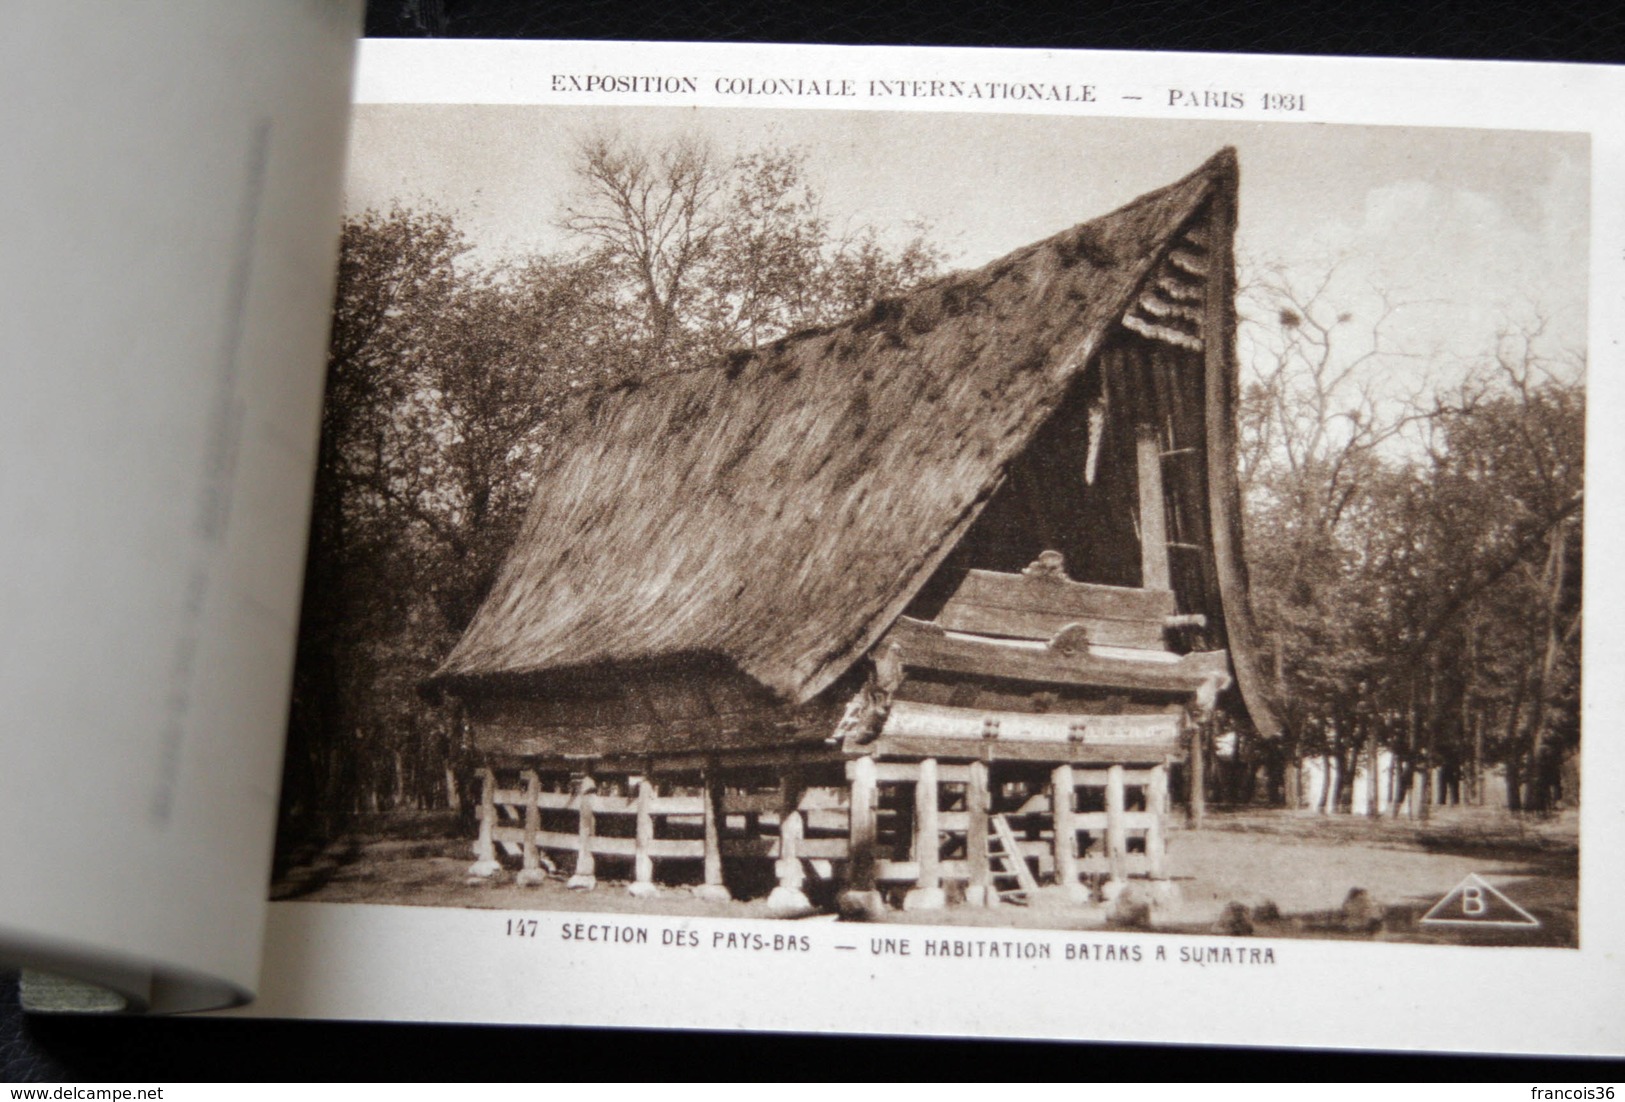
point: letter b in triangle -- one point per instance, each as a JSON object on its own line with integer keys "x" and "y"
{"x": 1474, "y": 903}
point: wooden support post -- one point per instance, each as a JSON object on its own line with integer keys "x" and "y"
{"x": 1153, "y": 517}
{"x": 485, "y": 864}
{"x": 927, "y": 894}
{"x": 1198, "y": 774}
{"x": 1063, "y": 815}
{"x": 531, "y": 871}
{"x": 1116, "y": 837}
{"x": 788, "y": 898}
{"x": 585, "y": 878}
{"x": 643, "y": 864}
{"x": 928, "y": 829}
{"x": 1156, "y": 836}
{"x": 791, "y": 829}
{"x": 713, "y": 887}
{"x": 1163, "y": 889}
{"x": 860, "y": 898}
{"x": 979, "y": 892}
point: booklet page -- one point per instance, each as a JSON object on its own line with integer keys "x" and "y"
{"x": 170, "y": 203}
{"x": 966, "y": 542}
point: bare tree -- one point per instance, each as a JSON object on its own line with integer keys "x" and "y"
{"x": 1412, "y": 547}
{"x": 655, "y": 214}
{"x": 726, "y": 252}
{"x": 1319, "y": 408}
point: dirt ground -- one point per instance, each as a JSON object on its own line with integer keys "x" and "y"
{"x": 1267, "y": 873}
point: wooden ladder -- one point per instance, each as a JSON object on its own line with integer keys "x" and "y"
{"x": 1006, "y": 863}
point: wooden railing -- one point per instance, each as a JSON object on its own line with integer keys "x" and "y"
{"x": 649, "y": 827}
{"x": 921, "y": 823}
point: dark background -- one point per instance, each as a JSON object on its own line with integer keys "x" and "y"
{"x": 134, "y": 1051}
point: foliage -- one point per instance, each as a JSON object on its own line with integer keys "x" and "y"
{"x": 715, "y": 254}
{"x": 448, "y": 379}
{"x": 1415, "y": 551}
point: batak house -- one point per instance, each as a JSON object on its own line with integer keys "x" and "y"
{"x": 922, "y": 607}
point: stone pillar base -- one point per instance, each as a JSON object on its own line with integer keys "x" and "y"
{"x": 861, "y": 906}
{"x": 925, "y": 899}
{"x": 716, "y": 893}
{"x": 484, "y": 870}
{"x": 530, "y": 878}
{"x": 980, "y": 895}
{"x": 642, "y": 889}
{"x": 582, "y": 882}
{"x": 1110, "y": 890}
{"x": 1134, "y": 912}
{"x": 786, "y": 902}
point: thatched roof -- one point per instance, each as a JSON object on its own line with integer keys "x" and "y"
{"x": 780, "y": 509}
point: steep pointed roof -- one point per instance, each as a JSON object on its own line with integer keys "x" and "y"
{"x": 778, "y": 510}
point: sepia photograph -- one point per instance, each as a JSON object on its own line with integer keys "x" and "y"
{"x": 974, "y": 519}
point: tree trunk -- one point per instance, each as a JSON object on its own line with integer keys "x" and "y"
{"x": 1291, "y": 764}
{"x": 1429, "y": 733}
{"x": 1347, "y": 758}
{"x": 1393, "y": 782}
{"x": 1292, "y": 779}
{"x": 1373, "y": 799}
{"x": 1541, "y": 750}
{"x": 1476, "y": 777}
{"x": 1514, "y": 749}
{"x": 1403, "y": 797}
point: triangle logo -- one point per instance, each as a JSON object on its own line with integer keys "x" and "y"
{"x": 1474, "y": 902}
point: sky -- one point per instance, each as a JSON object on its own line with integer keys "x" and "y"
{"x": 1467, "y": 228}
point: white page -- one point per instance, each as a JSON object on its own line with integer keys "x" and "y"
{"x": 172, "y": 177}
{"x": 472, "y": 127}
